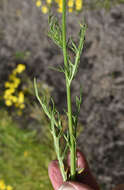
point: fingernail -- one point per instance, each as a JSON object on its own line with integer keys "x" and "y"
{"x": 67, "y": 187}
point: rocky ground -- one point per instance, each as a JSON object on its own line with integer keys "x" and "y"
{"x": 23, "y": 29}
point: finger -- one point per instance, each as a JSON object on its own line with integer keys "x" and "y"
{"x": 81, "y": 160}
{"x": 86, "y": 176}
{"x": 74, "y": 186}
{"x": 55, "y": 174}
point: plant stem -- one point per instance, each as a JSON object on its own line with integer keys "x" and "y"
{"x": 57, "y": 149}
{"x": 68, "y": 91}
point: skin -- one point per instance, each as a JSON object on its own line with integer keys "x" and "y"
{"x": 84, "y": 181}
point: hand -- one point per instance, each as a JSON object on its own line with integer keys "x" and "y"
{"x": 85, "y": 180}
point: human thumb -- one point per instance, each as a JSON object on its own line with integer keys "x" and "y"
{"x": 66, "y": 187}
{"x": 74, "y": 186}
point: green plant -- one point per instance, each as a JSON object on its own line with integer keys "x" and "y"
{"x": 76, "y": 5}
{"x": 13, "y": 96}
{"x": 23, "y": 159}
{"x": 58, "y": 34}
{"x": 72, "y": 5}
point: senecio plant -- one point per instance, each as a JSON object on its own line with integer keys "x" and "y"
{"x": 72, "y": 5}
{"x": 57, "y": 33}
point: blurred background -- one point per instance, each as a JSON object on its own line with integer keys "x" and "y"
{"x": 27, "y": 52}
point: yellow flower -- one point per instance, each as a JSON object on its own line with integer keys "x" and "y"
{"x": 14, "y": 99}
{"x": 60, "y": 4}
{"x": 2, "y": 185}
{"x": 12, "y": 77}
{"x": 22, "y": 106}
{"x": 70, "y": 3}
{"x": 59, "y": 10}
{"x": 49, "y": 1}
{"x": 38, "y": 3}
{"x": 44, "y": 9}
{"x": 20, "y": 98}
{"x": 17, "y": 104}
{"x": 8, "y": 187}
{"x": 17, "y": 81}
{"x": 14, "y": 71}
{"x": 25, "y": 154}
{"x": 12, "y": 84}
{"x": 8, "y": 103}
{"x": 7, "y": 84}
{"x": 70, "y": 10}
{"x": 9, "y": 91}
{"x": 20, "y": 68}
{"x": 1, "y": 182}
{"x": 78, "y": 5}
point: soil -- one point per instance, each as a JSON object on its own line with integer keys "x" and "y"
{"x": 24, "y": 29}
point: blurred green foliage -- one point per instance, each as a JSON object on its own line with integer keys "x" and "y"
{"x": 23, "y": 159}
{"x": 26, "y": 144}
